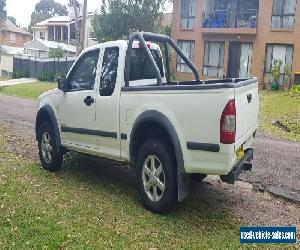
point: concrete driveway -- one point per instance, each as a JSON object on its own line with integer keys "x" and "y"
{"x": 276, "y": 162}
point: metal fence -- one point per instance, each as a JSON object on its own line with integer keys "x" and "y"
{"x": 35, "y": 66}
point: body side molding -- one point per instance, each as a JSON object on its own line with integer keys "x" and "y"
{"x": 89, "y": 132}
{"x": 203, "y": 146}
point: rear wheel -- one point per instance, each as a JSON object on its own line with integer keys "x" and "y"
{"x": 51, "y": 158}
{"x": 156, "y": 176}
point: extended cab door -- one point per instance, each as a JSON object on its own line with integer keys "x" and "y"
{"x": 77, "y": 107}
{"x": 107, "y": 104}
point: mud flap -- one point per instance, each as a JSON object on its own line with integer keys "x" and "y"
{"x": 182, "y": 182}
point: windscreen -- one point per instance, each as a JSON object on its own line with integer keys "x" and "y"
{"x": 141, "y": 67}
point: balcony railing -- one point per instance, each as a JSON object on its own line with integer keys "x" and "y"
{"x": 230, "y": 19}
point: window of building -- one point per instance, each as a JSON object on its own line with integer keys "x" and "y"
{"x": 282, "y": 52}
{"x": 221, "y": 5}
{"x": 65, "y": 35}
{"x": 188, "y": 11}
{"x": 12, "y": 37}
{"x": 109, "y": 71}
{"x": 213, "y": 59}
{"x": 245, "y": 60}
{"x": 73, "y": 35}
{"x": 83, "y": 74}
{"x": 188, "y": 49}
{"x": 283, "y": 16}
{"x": 42, "y": 35}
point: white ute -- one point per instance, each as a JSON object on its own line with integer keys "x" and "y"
{"x": 118, "y": 101}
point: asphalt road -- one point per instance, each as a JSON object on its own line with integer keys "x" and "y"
{"x": 17, "y": 110}
{"x": 276, "y": 167}
{"x": 276, "y": 162}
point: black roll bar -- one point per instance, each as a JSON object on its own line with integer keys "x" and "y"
{"x": 142, "y": 37}
{"x": 167, "y": 62}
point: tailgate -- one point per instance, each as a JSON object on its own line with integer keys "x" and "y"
{"x": 247, "y": 110}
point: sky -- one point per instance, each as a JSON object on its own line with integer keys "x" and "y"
{"x": 22, "y": 9}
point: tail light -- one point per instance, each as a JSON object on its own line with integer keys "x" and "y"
{"x": 228, "y": 123}
{"x": 148, "y": 45}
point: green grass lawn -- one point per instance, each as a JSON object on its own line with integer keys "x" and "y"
{"x": 89, "y": 206}
{"x": 28, "y": 90}
{"x": 280, "y": 106}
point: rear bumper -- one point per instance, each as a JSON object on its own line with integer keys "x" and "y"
{"x": 244, "y": 164}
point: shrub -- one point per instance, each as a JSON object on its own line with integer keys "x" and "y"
{"x": 56, "y": 52}
{"x": 57, "y": 75}
{"x": 294, "y": 91}
{"x": 46, "y": 76}
{"x": 20, "y": 74}
{"x": 276, "y": 70}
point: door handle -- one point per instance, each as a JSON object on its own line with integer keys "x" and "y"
{"x": 89, "y": 100}
{"x": 249, "y": 97}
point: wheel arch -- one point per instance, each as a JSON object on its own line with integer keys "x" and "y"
{"x": 162, "y": 123}
{"x": 46, "y": 113}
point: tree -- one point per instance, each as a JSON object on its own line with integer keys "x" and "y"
{"x": 12, "y": 19}
{"x": 119, "y": 18}
{"x": 2, "y": 9}
{"x": 166, "y": 30}
{"x": 46, "y": 9}
{"x": 56, "y": 52}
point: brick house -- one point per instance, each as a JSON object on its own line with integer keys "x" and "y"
{"x": 237, "y": 38}
{"x": 12, "y": 35}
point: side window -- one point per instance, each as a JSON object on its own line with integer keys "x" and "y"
{"x": 83, "y": 74}
{"x": 109, "y": 71}
{"x": 141, "y": 67}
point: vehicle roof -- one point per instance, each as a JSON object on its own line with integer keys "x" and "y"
{"x": 119, "y": 43}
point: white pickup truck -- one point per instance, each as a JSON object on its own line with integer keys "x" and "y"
{"x": 118, "y": 102}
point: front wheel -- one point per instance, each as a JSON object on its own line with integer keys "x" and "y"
{"x": 156, "y": 176}
{"x": 51, "y": 158}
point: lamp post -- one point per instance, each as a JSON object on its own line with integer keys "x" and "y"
{"x": 76, "y": 6}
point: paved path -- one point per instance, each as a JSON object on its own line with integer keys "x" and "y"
{"x": 276, "y": 162}
{"x": 17, "y": 81}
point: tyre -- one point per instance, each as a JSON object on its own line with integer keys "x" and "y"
{"x": 50, "y": 157}
{"x": 156, "y": 176}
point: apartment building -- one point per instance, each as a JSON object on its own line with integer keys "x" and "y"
{"x": 237, "y": 38}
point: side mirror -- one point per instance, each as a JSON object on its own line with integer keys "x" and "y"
{"x": 62, "y": 84}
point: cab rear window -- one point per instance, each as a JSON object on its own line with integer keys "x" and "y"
{"x": 141, "y": 67}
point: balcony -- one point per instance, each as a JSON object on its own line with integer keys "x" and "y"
{"x": 230, "y": 22}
